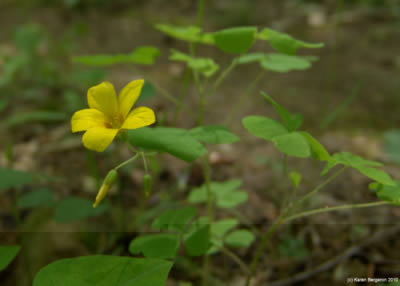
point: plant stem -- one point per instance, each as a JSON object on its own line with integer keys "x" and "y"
{"x": 237, "y": 259}
{"x": 262, "y": 245}
{"x": 285, "y": 175}
{"x": 318, "y": 188}
{"x": 330, "y": 209}
{"x": 146, "y": 170}
{"x": 243, "y": 96}
{"x": 128, "y": 161}
{"x": 200, "y": 14}
{"x": 210, "y": 215}
{"x": 182, "y": 98}
{"x": 223, "y": 76}
{"x": 281, "y": 219}
{"x": 332, "y": 61}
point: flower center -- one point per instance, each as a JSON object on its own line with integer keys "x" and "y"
{"x": 116, "y": 121}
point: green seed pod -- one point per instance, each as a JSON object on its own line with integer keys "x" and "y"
{"x": 147, "y": 184}
{"x": 106, "y": 186}
{"x": 111, "y": 177}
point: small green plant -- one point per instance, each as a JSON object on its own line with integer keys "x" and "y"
{"x": 182, "y": 231}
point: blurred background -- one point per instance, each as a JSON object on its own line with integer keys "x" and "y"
{"x": 350, "y": 100}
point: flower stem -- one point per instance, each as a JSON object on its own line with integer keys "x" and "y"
{"x": 133, "y": 158}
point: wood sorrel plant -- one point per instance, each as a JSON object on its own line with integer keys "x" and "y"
{"x": 181, "y": 227}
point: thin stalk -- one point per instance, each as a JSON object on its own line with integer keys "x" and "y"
{"x": 319, "y": 187}
{"x": 210, "y": 215}
{"x": 146, "y": 170}
{"x": 262, "y": 245}
{"x": 237, "y": 259}
{"x": 182, "y": 98}
{"x": 200, "y": 14}
{"x": 127, "y": 161}
{"x": 336, "y": 208}
{"x": 281, "y": 219}
{"x": 172, "y": 99}
{"x": 285, "y": 175}
{"x": 223, "y": 76}
{"x": 243, "y": 96}
{"x": 332, "y": 61}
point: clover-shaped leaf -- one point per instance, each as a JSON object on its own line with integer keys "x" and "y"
{"x": 366, "y": 167}
{"x": 284, "y": 63}
{"x": 162, "y": 245}
{"x": 174, "y": 219}
{"x": 226, "y": 194}
{"x": 285, "y": 43}
{"x": 237, "y": 40}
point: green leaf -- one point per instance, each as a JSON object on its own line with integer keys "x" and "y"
{"x": 236, "y": 40}
{"x": 292, "y": 121}
{"x": 240, "y": 238}
{"x": 285, "y": 43}
{"x": 222, "y": 227}
{"x": 42, "y": 116}
{"x": 155, "y": 245}
{"x": 187, "y": 33}
{"x": 318, "y": 151}
{"x": 226, "y": 194}
{"x": 295, "y": 179}
{"x": 376, "y": 174}
{"x": 197, "y": 241}
{"x": 101, "y": 270}
{"x": 73, "y": 209}
{"x": 263, "y": 127}
{"x": 250, "y": 58}
{"x": 36, "y": 198}
{"x": 145, "y": 55}
{"x": 391, "y": 141}
{"x": 292, "y": 144}
{"x": 366, "y": 167}
{"x": 218, "y": 231}
{"x": 206, "y": 66}
{"x": 228, "y": 199}
{"x": 10, "y": 178}
{"x": 284, "y": 63}
{"x": 390, "y": 193}
{"x": 213, "y": 134}
{"x": 351, "y": 160}
{"x": 7, "y": 254}
{"x": 175, "y": 219}
{"x": 171, "y": 140}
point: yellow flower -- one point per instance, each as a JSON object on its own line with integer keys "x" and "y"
{"x": 108, "y": 114}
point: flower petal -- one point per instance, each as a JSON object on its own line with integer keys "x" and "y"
{"x": 98, "y": 138}
{"x": 103, "y": 97}
{"x": 87, "y": 118}
{"x": 139, "y": 117}
{"x": 128, "y": 96}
